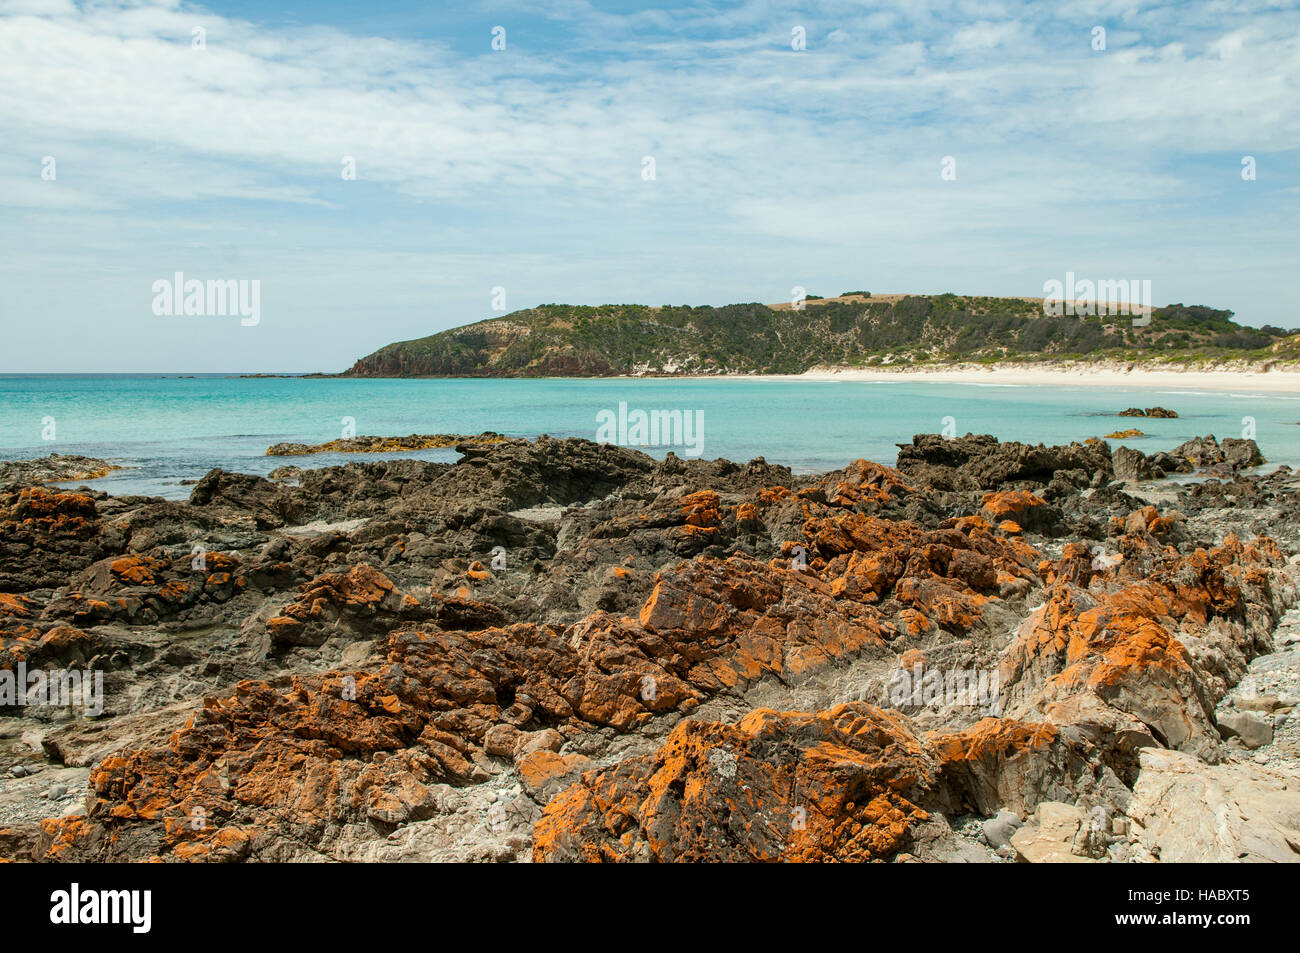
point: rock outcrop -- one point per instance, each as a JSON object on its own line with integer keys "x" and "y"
{"x": 56, "y": 468}
{"x": 558, "y": 650}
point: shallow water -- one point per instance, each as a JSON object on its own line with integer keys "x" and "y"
{"x": 170, "y": 428}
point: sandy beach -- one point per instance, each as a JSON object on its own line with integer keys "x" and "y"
{"x": 1275, "y": 380}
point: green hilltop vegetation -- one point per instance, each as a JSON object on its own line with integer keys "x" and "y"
{"x": 855, "y": 329}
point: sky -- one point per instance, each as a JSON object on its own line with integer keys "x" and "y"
{"x": 684, "y": 153}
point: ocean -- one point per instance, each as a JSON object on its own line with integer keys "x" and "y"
{"x": 172, "y": 428}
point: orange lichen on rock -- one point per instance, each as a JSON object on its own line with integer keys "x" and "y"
{"x": 991, "y": 740}
{"x": 709, "y": 626}
{"x": 839, "y": 785}
{"x": 16, "y": 607}
{"x": 143, "y": 589}
{"x": 1116, "y": 644}
{"x": 538, "y": 767}
{"x": 138, "y": 570}
{"x": 53, "y": 511}
{"x": 947, "y": 574}
{"x": 362, "y": 593}
{"x": 774, "y": 494}
{"x": 911, "y": 658}
{"x": 765, "y": 620}
{"x": 59, "y": 646}
{"x": 864, "y": 481}
{"x": 700, "y": 508}
{"x": 999, "y": 506}
{"x": 1001, "y": 763}
{"x": 65, "y": 833}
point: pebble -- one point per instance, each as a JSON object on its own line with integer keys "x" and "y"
{"x": 56, "y": 791}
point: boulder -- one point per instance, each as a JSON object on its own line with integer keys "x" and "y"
{"x": 1253, "y": 729}
{"x": 1200, "y": 451}
{"x": 998, "y": 830}
{"x": 1240, "y": 454}
{"x": 1050, "y": 836}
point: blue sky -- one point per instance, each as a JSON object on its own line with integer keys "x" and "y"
{"x": 522, "y": 168}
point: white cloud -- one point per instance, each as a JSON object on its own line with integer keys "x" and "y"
{"x": 763, "y": 155}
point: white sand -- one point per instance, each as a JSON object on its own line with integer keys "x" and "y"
{"x": 1278, "y": 379}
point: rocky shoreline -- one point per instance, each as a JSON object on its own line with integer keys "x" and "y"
{"x": 562, "y": 651}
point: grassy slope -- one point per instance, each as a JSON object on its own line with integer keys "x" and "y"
{"x": 559, "y": 340}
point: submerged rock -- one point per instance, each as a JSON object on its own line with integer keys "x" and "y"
{"x": 369, "y": 444}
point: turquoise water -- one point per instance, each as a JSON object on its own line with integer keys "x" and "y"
{"x": 169, "y": 429}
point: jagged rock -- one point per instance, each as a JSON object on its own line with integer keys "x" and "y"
{"x": 762, "y": 789}
{"x": 1240, "y": 454}
{"x": 851, "y": 783}
{"x": 1148, "y": 412}
{"x": 1233, "y": 454}
{"x": 977, "y": 462}
{"x": 393, "y": 647}
{"x": 1200, "y": 451}
{"x": 270, "y": 504}
{"x": 361, "y": 603}
{"x": 49, "y": 535}
{"x": 1164, "y": 463}
{"x": 1002, "y": 763}
{"x": 143, "y": 589}
{"x": 1119, "y": 647}
{"x": 1132, "y": 464}
{"x": 1027, "y": 510}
